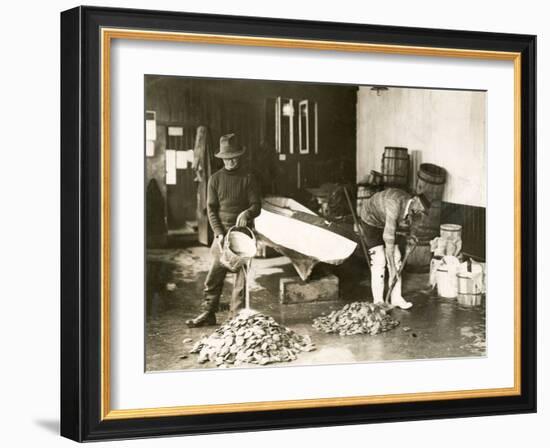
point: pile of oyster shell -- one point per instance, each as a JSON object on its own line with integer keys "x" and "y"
{"x": 357, "y": 318}
{"x": 251, "y": 339}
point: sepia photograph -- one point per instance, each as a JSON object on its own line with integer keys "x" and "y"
{"x": 294, "y": 223}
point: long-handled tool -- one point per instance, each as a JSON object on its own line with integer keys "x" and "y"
{"x": 410, "y": 249}
{"x": 359, "y": 227}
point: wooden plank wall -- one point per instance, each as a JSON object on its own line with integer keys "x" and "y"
{"x": 472, "y": 220}
{"x": 239, "y": 106}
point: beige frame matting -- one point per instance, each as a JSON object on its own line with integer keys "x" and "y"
{"x": 107, "y": 36}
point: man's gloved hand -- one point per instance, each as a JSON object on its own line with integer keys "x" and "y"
{"x": 412, "y": 240}
{"x": 242, "y": 219}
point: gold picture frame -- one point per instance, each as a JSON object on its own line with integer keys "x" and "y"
{"x": 102, "y": 32}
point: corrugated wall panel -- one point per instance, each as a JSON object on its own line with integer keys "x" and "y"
{"x": 472, "y": 220}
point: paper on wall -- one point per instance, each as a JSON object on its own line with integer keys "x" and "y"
{"x": 150, "y": 129}
{"x": 170, "y": 167}
{"x": 149, "y": 148}
{"x": 175, "y": 131}
{"x": 183, "y": 158}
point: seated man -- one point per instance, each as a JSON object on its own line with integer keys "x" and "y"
{"x": 233, "y": 199}
{"x": 381, "y": 214}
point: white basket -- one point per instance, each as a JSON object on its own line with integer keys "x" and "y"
{"x": 238, "y": 248}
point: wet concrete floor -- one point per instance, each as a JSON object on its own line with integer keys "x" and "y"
{"x": 433, "y": 328}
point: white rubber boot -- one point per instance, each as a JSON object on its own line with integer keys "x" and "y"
{"x": 397, "y": 299}
{"x": 377, "y": 273}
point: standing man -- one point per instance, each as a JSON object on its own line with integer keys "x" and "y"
{"x": 234, "y": 198}
{"x": 382, "y": 214}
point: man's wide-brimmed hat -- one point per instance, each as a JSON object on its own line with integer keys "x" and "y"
{"x": 229, "y": 147}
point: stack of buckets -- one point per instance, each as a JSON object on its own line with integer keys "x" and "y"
{"x": 455, "y": 280}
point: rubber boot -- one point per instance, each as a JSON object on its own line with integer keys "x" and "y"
{"x": 378, "y": 273}
{"x": 397, "y": 299}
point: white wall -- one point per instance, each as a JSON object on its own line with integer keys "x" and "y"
{"x": 443, "y": 127}
{"x": 29, "y": 232}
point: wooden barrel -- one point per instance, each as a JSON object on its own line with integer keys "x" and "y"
{"x": 395, "y": 166}
{"x": 431, "y": 181}
{"x": 468, "y": 292}
{"x": 375, "y": 178}
{"x": 428, "y": 226}
{"x": 419, "y": 259}
{"x": 425, "y": 229}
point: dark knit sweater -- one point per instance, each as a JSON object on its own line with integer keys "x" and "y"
{"x": 229, "y": 194}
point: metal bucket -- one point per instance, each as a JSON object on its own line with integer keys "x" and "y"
{"x": 447, "y": 284}
{"x": 450, "y": 231}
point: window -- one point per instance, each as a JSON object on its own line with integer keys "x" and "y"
{"x": 295, "y": 128}
{"x": 307, "y": 127}
{"x": 284, "y": 125}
